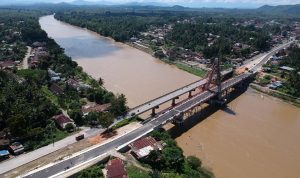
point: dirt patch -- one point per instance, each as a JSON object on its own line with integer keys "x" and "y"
{"x": 102, "y": 137}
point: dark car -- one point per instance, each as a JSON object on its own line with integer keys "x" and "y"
{"x": 80, "y": 137}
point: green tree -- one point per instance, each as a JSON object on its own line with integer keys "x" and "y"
{"x": 106, "y": 119}
{"x": 70, "y": 127}
{"x": 173, "y": 158}
{"x": 92, "y": 118}
{"x": 77, "y": 116}
{"x": 155, "y": 159}
{"x": 119, "y": 107}
{"x": 17, "y": 125}
{"x": 194, "y": 162}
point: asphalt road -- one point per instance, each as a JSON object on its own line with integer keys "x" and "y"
{"x": 25, "y": 158}
{"x": 68, "y": 163}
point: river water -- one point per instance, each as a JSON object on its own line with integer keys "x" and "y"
{"x": 258, "y": 136}
{"x": 124, "y": 69}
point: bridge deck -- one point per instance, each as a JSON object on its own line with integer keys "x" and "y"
{"x": 198, "y": 99}
{"x": 169, "y": 96}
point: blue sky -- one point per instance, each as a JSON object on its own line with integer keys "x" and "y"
{"x": 188, "y": 3}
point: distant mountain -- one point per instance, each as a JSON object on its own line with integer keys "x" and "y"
{"x": 281, "y": 9}
{"x": 145, "y": 4}
{"x": 89, "y": 3}
{"x": 177, "y": 7}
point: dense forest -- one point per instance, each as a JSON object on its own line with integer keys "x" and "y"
{"x": 213, "y": 35}
{"x": 16, "y": 31}
{"x": 194, "y": 36}
{"x": 120, "y": 26}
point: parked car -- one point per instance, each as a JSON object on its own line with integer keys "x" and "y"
{"x": 79, "y": 137}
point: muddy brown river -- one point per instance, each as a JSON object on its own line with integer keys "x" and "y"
{"x": 257, "y": 136}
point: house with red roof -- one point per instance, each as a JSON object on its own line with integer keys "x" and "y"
{"x": 63, "y": 120}
{"x": 95, "y": 108}
{"x": 9, "y": 64}
{"x": 56, "y": 89}
{"x": 142, "y": 147}
{"x": 115, "y": 168}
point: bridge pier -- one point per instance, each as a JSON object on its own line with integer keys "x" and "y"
{"x": 178, "y": 119}
{"x": 243, "y": 85}
{"x": 153, "y": 113}
{"x": 190, "y": 93}
{"x": 174, "y": 101}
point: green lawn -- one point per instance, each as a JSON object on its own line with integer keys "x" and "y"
{"x": 124, "y": 122}
{"x": 47, "y": 139}
{"x": 134, "y": 172}
{"x": 193, "y": 70}
{"x": 52, "y": 97}
{"x": 91, "y": 172}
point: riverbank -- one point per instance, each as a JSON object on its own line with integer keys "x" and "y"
{"x": 285, "y": 97}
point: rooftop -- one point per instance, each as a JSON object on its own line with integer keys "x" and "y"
{"x": 95, "y": 108}
{"x": 115, "y": 169}
{"x": 142, "y": 147}
{"x": 56, "y": 89}
{"x": 286, "y": 68}
{"x": 62, "y": 120}
{"x": 7, "y": 64}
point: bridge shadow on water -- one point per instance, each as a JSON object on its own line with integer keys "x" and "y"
{"x": 228, "y": 110}
{"x": 204, "y": 113}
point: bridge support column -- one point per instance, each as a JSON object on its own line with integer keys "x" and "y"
{"x": 174, "y": 101}
{"x": 190, "y": 94}
{"x": 153, "y": 112}
{"x": 178, "y": 119}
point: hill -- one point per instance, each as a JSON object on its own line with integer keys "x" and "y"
{"x": 281, "y": 9}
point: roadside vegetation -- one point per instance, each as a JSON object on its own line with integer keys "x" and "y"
{"x": 171, "y": 162}
{"x": 281, "y": 74}
{"x": 193, "y": 70}
{"x": 91, "y": 172}
{"x": 167, "y": 163}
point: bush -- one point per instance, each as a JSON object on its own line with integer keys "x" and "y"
{"x": 70, "y": 127}
{"x": 194, "y": 162}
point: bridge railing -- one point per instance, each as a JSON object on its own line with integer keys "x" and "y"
{"x": 132, "y": 109}
{"x": 165, "y": 95}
